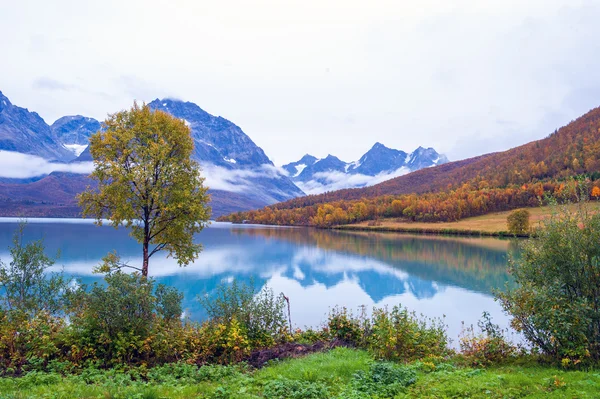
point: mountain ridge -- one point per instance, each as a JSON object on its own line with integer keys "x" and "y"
{"x": 242, "y": 175}
{"x": 26, "y": 132}
{"x": 329, "y": 173}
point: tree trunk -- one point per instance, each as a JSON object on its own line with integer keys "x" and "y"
{"x": 145, "y": 264}
{"x": 146, "y": 243}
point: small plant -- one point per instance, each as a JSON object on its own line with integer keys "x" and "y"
{"x": 383, "y": 380}
{"x": 283, "y": 388}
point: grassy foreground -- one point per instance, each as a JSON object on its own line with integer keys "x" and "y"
{"x": 492, "y": 224}
{"x": 339, "y": 373}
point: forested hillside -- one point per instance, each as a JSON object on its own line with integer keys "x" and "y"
{"x": 492, "y": 182}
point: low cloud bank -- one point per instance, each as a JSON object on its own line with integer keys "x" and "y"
{"x": 330, "y": 181}
{"x": 237, "y": 180}
{"x": 15, "y": 165}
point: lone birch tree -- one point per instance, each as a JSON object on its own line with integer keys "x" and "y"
{"x": 147, "y": 182}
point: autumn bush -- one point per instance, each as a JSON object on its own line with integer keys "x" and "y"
{"x": 29, "y": 343}
{"x": 490, "y": 345}
{"x": 343, "y": 325}
{"x": 400, "y": 335}
{"x": 556, "y": 302}
{"x": 260, "y": 314}
{"x": 395, "y": 334}
{"x": 31, "y": 305}
{"x": 117, "y": 322}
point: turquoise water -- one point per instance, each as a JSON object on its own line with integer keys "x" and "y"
{"x": 316, "y": 269}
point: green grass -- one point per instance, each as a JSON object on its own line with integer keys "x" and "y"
{"x": 335, "y": 366}
{"x": 507, "y": 382}
{"x": 332, "y": 372}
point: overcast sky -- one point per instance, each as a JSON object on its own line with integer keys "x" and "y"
{"x": 315, "y": 76}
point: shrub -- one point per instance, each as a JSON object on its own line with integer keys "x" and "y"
{"x": 402, "y": 336}
{"x": 518, "y": 222}
{"x": 260, "y": 314}
{"x": 29, "y": 343}
{"x": 310, "y": 336}
{"x": 489, "y": 346}
{"x": 123, "y": 320}
{"x": 556, "y": 304}
{"x": 25, "y": 284}
{"x": 31, "y": 306}
{"x": 342, "y": 325}
{"x": 168, "y": 302}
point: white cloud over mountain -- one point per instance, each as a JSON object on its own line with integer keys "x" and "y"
{"x": 15, "y": 165}
{"x": 338, "y": 180}
{"x": 237, "y": 180}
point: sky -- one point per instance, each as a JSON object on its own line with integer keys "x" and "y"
{"x": 322, "y": 77}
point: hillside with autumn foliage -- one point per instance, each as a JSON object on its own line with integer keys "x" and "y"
{"x": 493, "y": 182}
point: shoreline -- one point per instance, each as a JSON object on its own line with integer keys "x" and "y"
{"x": 429, "y": 231}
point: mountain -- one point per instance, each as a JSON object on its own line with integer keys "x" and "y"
{"x": 238, "y": 172}
{"x": 26, "y": 132}
{"x": 379, "y": 159}
{"x": 224, "y": 150}
{"x": 74, "y": 132}
{"x": 295, "y": 168}
{"x": 326, "y": 165}
{"x": 424, "y": 158}
{"x": 217, "y": 141}
{"x": 492, "y": 182}
{"x": 330, "y": 173}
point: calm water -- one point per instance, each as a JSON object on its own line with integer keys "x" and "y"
{"x": 317, "y": 269}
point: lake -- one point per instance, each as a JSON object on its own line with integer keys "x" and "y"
{"x": 316, "y": 269}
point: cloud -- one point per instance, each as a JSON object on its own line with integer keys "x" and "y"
{"x": 330, "y": 181}
{"x": 46, "y": 83}
{"x": 238, "y": 180}
{"x": 219, "y": 178}
{"x": 15, "y": 165}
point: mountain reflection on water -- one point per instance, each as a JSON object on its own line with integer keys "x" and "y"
{"x": 317, "y": 269}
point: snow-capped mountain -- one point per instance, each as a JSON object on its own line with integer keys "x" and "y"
{"x": 74, "y": 132}
{"x": 35, "y": 157}
{"x": 380, "y": 163}
{"x": 231, "y": 160}
{"x": 26, "y": 132}
{"x": 295, "y": 168}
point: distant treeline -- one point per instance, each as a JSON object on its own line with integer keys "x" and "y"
{"x": 450, "y": 206}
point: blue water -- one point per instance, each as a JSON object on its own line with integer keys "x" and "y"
{"x": 316, "y": 269}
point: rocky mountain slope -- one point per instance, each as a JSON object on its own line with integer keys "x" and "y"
{"x": 239, "y": 173}
{"x": 74, "y": 132}
{"x": 26, "y": 132}
{"x": 226, "y": 152}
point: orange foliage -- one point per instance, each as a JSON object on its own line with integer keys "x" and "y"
{"x": 493, "y": 182}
